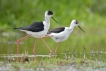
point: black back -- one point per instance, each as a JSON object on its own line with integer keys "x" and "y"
{"x": 56, "y": 30}
{"x": 35, "y": 27}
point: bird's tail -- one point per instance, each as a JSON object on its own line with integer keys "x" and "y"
{"x": 18, "y": 28}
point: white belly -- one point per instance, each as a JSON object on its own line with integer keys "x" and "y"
{"x": 59, "y": 37}
{"x": 37, "y": 34}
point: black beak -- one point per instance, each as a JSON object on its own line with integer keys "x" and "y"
{"x": 81, "y": 28}
{"x": 55, "y": 20}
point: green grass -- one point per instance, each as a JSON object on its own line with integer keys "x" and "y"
{"x": 52, "y": 64}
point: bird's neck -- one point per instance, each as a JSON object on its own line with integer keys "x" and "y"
{"x": 47, "y": 20}
{"x": 47, "y": 23}
{"x": 72, "y": 26}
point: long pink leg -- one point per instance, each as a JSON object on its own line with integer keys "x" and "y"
{"x": 55, "y": 52}
{"x": 18, "y": 41}
{"x": 45, "y": 36}
{"x": 47, "y": 47}
{"x": 34, "y": 49}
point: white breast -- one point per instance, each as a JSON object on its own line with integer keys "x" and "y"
{"x": 37, "y": 34}
{"x": 46, "y": 25}
{"x": 59, "y": 37}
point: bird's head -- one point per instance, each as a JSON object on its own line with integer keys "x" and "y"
{"x": 50, "y": 15}
{"x": 76, "y": 23}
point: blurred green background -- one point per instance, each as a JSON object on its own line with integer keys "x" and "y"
{"x": 91, "y": 15}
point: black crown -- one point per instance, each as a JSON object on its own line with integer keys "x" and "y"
{"x": 50, "y": 12}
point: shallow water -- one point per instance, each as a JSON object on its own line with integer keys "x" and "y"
{"x": 8, "y": 47}
{"x": 8, "y": 44}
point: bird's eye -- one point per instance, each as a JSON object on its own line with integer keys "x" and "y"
{"x": 76, "y": 22}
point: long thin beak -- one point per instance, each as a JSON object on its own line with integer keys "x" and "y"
{"x": 81, "y": 28}
{"x": 55, "y": 20}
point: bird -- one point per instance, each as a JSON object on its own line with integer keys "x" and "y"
{"x": 61, "y": 34}
{"x": 37, "y": 30}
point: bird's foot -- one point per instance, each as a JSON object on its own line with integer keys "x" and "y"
{"x": 52, "y": 54}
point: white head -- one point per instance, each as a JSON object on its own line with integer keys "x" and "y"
{"x": 75, "y": 23}
{"x": 49, "y": 14}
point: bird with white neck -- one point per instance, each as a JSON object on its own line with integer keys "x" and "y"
{"x": 61, "y": 34}
{"x": 37, "y": 30}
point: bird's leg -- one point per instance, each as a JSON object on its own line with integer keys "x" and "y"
{"x": 47, "y": 47}
{"x": 55, "y": 52}
{"x": 45, "y": 36}
{"x": 18, "y": 41}
{"x": 34, "y": 49}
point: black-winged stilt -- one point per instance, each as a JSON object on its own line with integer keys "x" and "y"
{"x": 62, "y": 33}
{"x": 37, "y": 30}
